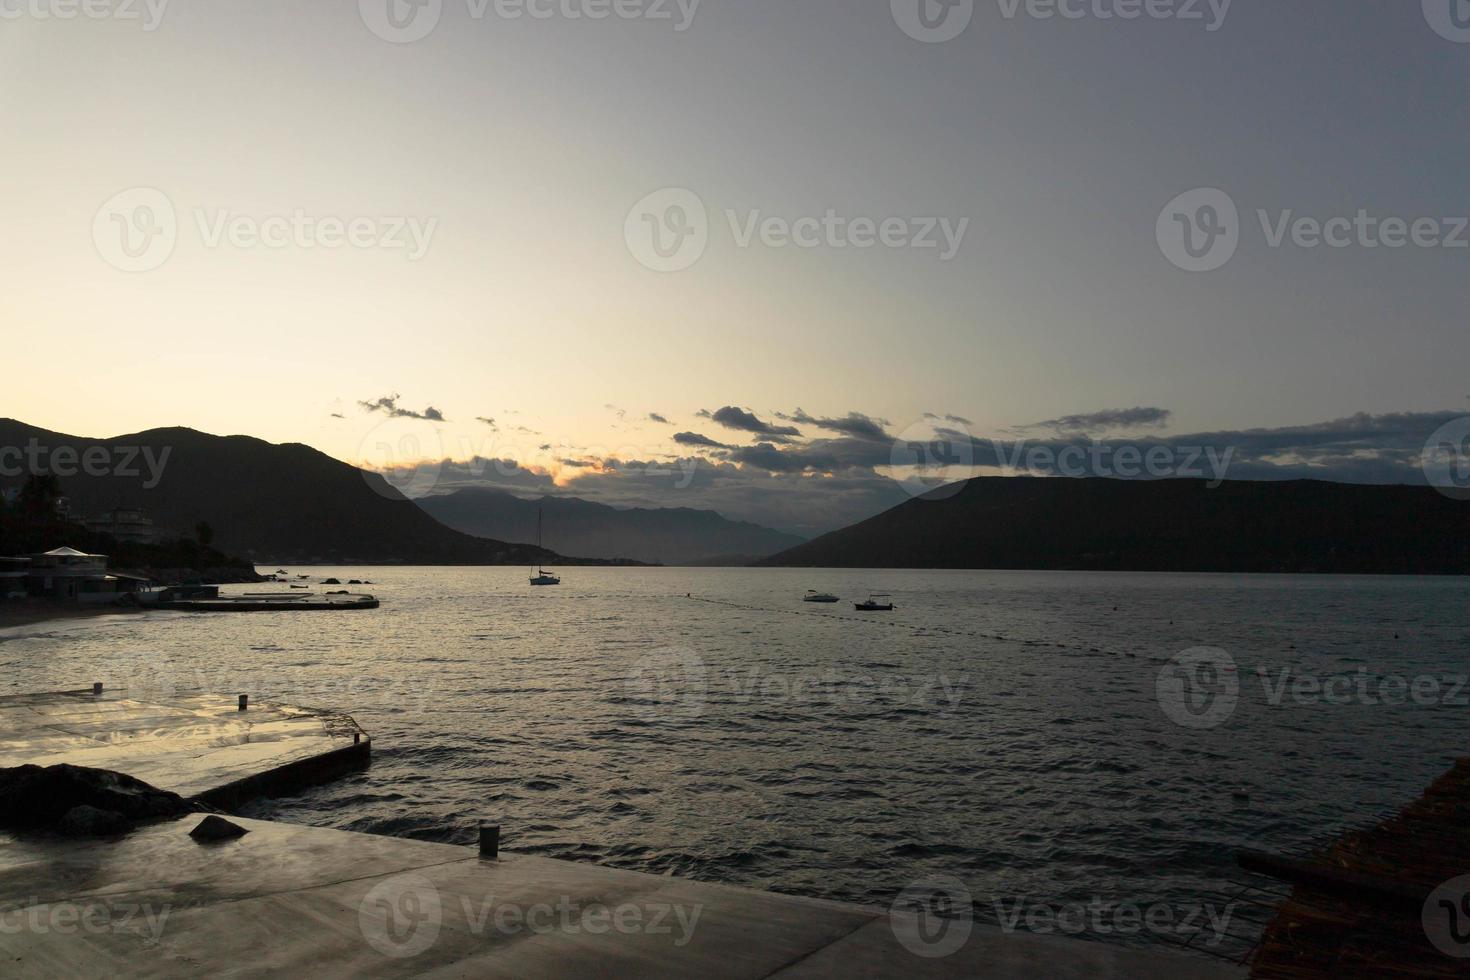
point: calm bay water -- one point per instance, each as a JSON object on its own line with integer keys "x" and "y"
{"x": 1003, "y": 728}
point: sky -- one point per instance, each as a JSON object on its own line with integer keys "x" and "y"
{"x": 518, "y": 230}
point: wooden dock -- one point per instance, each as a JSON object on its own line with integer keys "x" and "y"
{"x": 1389, "y": 901}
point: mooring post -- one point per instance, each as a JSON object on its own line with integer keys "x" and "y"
{"x": 489, "y": 840}
{"x": 244, "y": 701}
{"x": 96, "y": 689}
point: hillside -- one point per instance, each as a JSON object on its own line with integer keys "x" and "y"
{"x": 1168, "y": 525}
{"x": 668, "y": 536}
{"x": 265, "y": 502}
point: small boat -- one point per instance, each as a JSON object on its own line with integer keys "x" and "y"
{"x": 873, "y": 605}
{"x": 812, "y": 595}
{"x": 542, "y": 576}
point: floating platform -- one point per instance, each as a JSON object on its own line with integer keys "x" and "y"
{"x": 199, "y": 746}
{"x": 272, "y": 602}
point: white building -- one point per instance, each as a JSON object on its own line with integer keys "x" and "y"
{"x": 66, "y": 573}
{"x": 124, "y": 524}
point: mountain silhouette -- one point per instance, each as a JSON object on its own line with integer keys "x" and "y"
{"x": 575, "y": 526}
{"x": 265, "y": 502}
{"x": 1166, "y": 525}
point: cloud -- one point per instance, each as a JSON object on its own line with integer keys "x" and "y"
{"x": 388, "y": 405}
{"x": 338, "y": 415}
{"x": 742, "y": 421}
{"x": 655, "y": 417}
{"x": 695, "y": 439}
{"x": 489, "y": 422}
{"x": 621, "y": 413}
{"x": 1108, "y": 419}
{"x": 775, "y": 459}
{"x": 1361, "y": 448}
{"x": 956, "y": 419}
{"x": 855, "y": 424}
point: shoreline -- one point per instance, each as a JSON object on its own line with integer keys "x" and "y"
{"x": 30, "y": 612}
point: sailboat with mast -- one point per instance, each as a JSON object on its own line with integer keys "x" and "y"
{"x": 542, "y": 576}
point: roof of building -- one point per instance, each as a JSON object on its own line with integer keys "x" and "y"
{"x": 70, "y": 553}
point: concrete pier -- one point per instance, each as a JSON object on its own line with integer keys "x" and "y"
{"x": 287, "y": 900}
{"x": 202, "y": 746}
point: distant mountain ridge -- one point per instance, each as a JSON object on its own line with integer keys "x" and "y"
{"x": 1300, "y": 526}
{"x": 663, "y": 535}
{"x": 270, "y": 503}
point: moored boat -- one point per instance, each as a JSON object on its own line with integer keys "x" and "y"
{"x": 542, "y": 576}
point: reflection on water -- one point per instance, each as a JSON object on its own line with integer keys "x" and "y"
{"x": 1003, "y": 728}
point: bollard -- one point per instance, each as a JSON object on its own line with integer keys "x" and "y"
{"x": 244, "y": 701}
{"x": 96, "y": 689}
{"x": 489, "y": 840}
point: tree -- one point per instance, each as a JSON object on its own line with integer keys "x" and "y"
{"x": 39, "y": 495}
{"x": 204, "y": 533}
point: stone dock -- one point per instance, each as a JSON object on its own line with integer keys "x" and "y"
{"x": 294, "y": 901}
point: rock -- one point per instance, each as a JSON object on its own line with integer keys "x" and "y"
{"x": 89, "y": 821}
{"x": 213, "y": 828}
{"x": 36, "y": 797}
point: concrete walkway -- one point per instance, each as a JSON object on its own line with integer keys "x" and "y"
{"x": 295, "y": 901}
{"x": 300, "y": 901}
